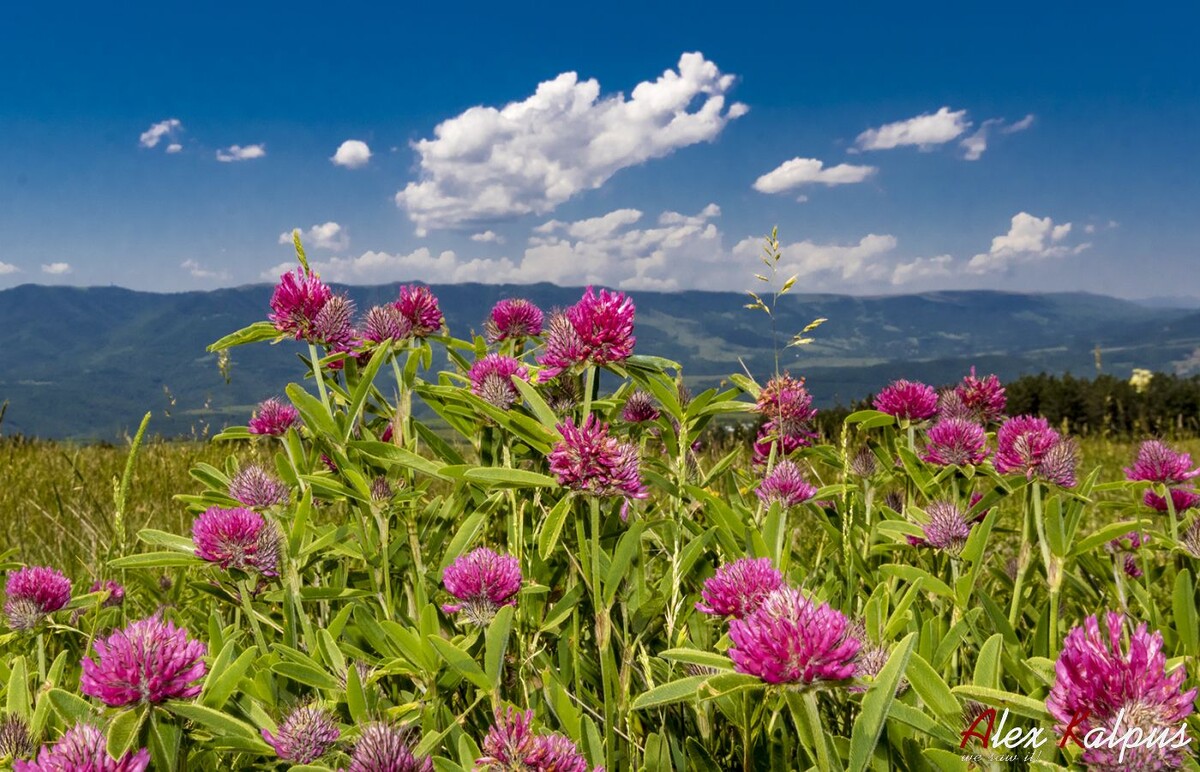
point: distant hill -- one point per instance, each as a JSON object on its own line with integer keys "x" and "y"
{"x": 89, "y": 362}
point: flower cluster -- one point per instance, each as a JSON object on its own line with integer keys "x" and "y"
{"x": 1157, "y": 462}
{"x": 909, "y": 401}
{"x": 296, "y": 302}
{"x": 116, "y": 592}
{"x": 639, "y": 408}
{"x": 492, "y": 380}
{"x": 257, "y": 488}
{"x": 591, "y": 460}
{"x": 597, "y": 330}
{"x": 1027, "y": 445}
{"x": 148, "y": 661}
{"x": 273, "y": 418}
{"x": 419, "y": 307}
{"x": 955, "y": 442}
{"x": 786, "y": 407}
{"x": 737, "y": 589}
{"x": 305, "y": 735}
{"x": 789, "y": 639}
{"x": 384, "y": 747}
{"x": 512, "y": 746}
{"x": 948, "y": 528}
{"x": 483, "y": 581}
{"x": 514, "y": 319}
{"x": 239, "y": 538}
{"x": 984, "y": 397}
{"x": 32, "y": 594}
{"x": 786, "y": 485}
{"x": 83, "y": 748}
{"x": 1119, "y": 682}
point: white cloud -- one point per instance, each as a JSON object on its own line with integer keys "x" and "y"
{"x": 174, "y": 147}
{"x": 487, "y": 237}
{"x": 1029, "y": 239}
{"x": 820, "y": 266}
{"x": 153, "y": 135}
{"x": 924, "y": 131}
{"x": 380, "y": 267}
{"x": 807, "y": 171}
{"x": 7, "y": 268}
{"x": 528, "y": 157}
{"x": 923, "y": 268}
{"x": 352, "y": 154}
{"x": 56, "y": 269}
{"x": 975, "y": 144}
{"x": 240, "y": 153}
{"x": 1020, "y": 125}
{"x": 329, "y": 236}
{"x": 198, "y": 271}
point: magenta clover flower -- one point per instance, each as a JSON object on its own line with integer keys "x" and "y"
{"x": 257, "y": 488}
{"x": 148, "y": 661}
{"x": 514, "y": 319}
{"x": 737, "y": 589}
{"x": 789, "y": 639}
{"x": 492, "y": 380}
{"x": 385, "y": 747}
{"x": 273, "y": 418}
{"x": 484, "y": 581}
{"x": 955, "y": 442}
{"x": 785, "y": 484}
{"x": 419, "y": 307}
{"x": 297, "y": 300}
{"x": 32, "y": 594}
{"x": 907, "y": 401}
{"x": 238, "y": 539}
{"x": 83, "y": 748}
{"x": 591, "y": 460}
{"x": 305, "y": 735}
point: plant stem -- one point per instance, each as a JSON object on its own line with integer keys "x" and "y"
{"x": 603, "y": 639}
{"x": 320, "y": 379}
{"x": 248, "y": 610}
{"x": 1022, "y": 564}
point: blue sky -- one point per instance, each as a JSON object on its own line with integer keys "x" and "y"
{"x": 1022, "y": 146}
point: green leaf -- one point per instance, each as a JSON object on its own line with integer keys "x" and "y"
{"x": 913, "y": 573}
{"x": 316, "y": 418}
{"x": 460, "y": 662}
{"x": 223, "y": 676}
{"x": 699, "y": 657}
{"x": 463, "y": 538}
{"x": 156, "y": 560}
{"x": 363, "y": 389}
{"x": 552, "y": 527}
{"x": 669, "y": 693}
{"x": 536, "y": 404}
{"x": 123, "y": 731}
{"x": 987, "y": 665}
{"x": 496, "y": 644}
{"x": 729, "y": 683}
{"x": 171, "y": 541}
{"x": 69, "y": 707}
{"x": 931, "y": 688}
{"x": 870, "y": 419}
{"x": 356, "y": 697}
{"x": 222, "y": 725}
{"x": 518, "y": 478}
{"x": 1017, "y": 703}
{"x": 876, "y": 702}
{"x": 1103, "y": 536}
{"x": 307, "y": 675}
{"x": 627, "y": 549}
{"x": 390, "y": 454}
{"x": 18, "y": 701}
{"x": 1184, "y": 604}
{"x": 251, "y": 334}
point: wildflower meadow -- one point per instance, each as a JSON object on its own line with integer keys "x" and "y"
{"x": 536, "y": 549}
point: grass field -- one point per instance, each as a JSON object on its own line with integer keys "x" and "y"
{"x": 56, "y": 499}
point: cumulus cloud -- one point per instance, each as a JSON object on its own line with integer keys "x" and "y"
{"x": 807, "y": 171}
{"x": 56, "y": 269}
{"x": 379, "y": 267}
{"x": 198, "y": 271}
{"x": 487, "y": 237}
{"x": 1020, "y": 125}
{"x": 329, "y": 236}
{"x": 821, "y": 266}
{"x": 241, "y": 153}
{"x": 169, "y": 129}
{"x": 7, "y": 268}
{"x": 174, "y": 147}
{"x": 528, "y": 157}
{"x": 352, "y": 154}
{"x": 923, "y": 269}
{"x": 1029, "y": 239}
{"x": 925, "y": 131}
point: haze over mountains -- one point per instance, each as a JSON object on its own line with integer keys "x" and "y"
{"x": 87, "y": 363}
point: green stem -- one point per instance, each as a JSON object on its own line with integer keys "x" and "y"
{"x": 320, "y": 379}
{"x": 41, "y": 655}
{"x": 248, "y": 610}
{"x": 1022, "y": 564}
{"x": 1051, "y": 563}
{"x": 603, "y": 639}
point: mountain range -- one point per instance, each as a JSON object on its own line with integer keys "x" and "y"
{"x": 87, "y": 363}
